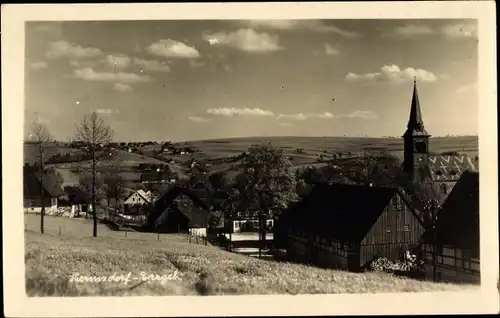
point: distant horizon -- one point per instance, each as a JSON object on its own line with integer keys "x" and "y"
{"x": 264, "y": 137}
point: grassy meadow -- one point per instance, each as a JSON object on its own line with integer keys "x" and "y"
{"x": 200, "y": 270}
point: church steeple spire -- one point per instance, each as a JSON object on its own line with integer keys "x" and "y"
{"x": 415, "y": 123}
{"x": 416, "y": 138}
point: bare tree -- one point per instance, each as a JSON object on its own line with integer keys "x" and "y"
{"x": 427, "y": 198}
{"x": 40, "y": 135}
{"x": 93, "y": 132}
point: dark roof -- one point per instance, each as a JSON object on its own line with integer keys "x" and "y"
{"x": 197, "y": 216}
{"x": 450, "y": 168}
{"x": 31, "y": 181}
{"x": 458, "y": 220}
{"x": 415, "y": 125}
{"x": 339, "y": 211}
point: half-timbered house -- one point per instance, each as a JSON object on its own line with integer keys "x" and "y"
{"x": 457, "y": 234}
{"x": 346, "y": 226}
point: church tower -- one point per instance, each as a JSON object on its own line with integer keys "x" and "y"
{"x": 416, "y": 139}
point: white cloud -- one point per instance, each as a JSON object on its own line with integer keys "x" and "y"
{"x": 196, "y": 64}
{"x": 302, "y": 116}
{"x": 89, "y": 74}
{"x": 122, "y": 87}
{"x": 247, "y": 40}
{"x": 257, "y": 112}
{"x": 105, "y": 111}
{"x": 39, "y": 65}
{"x": 410, "y": 30}
{"x": 118, "y": 60}
{"x": 331, "y": 50}
{"x": 311, "y": 25}
{"x": 60, "y": 49}
{"x": 152, "y": 65}
{"x": 83, "y": 63}
{"x": 197, "y": 119}
{"x": 364, "y": 114}
{"x": 230, "y": 112}
{"x": 458, "y": 30}
{"x": 171, "y": 48}
{"x": 393, "y": 73}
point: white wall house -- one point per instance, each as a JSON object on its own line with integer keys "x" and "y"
{"x": 139, "y": 197}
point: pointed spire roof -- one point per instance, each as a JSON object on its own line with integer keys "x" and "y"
{"x": 416, "y": 123}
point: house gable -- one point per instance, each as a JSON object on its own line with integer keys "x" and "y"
{"x": 396, "y": 224}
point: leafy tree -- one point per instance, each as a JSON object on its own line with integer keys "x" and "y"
{"x": 267, "y": 182}
{"x": 93, "y": 131}
{"x": 267, "y": 178}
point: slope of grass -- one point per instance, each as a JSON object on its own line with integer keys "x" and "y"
{"x": 199, "y": 270}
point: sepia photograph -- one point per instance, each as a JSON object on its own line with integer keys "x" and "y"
{"x": 252, "y": 156}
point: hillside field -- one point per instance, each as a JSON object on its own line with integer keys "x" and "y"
{"x": 315, "y": 145}
{"x": 223, "y": 148}
{"x": 198, "y": 269}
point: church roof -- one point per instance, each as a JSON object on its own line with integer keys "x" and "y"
{"x": 415, "y": 123}
{"x": 450, "y": 168}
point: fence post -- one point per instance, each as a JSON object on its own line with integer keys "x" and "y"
{"x": 126, "y": 233}
{"x": 158, "y": 236}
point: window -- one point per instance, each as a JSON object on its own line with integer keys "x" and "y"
{"x": 407, "y": 228}
{"x": 388, "y": 230}
{"x": 420, "y": 147}
{"x": 395, "y": 202}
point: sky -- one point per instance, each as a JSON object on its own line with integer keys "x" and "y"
{"x": 190, "y": 80}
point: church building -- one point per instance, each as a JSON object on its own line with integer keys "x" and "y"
{"x": 445, "y": 170}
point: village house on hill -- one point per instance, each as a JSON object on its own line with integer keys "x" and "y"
{"x": 137, "y": 199}
{"x": 32, "y": 192}
{"x": 346, "y": 226}
{"x": 457, "y": 234}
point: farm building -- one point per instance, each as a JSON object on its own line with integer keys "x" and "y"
{"x": 178, "y": 210}
{"x": 444, "y": 170}
{"x": 346, "y": 226}
{"x": 457, "y": 234}
{"x": 32, "y": 192}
